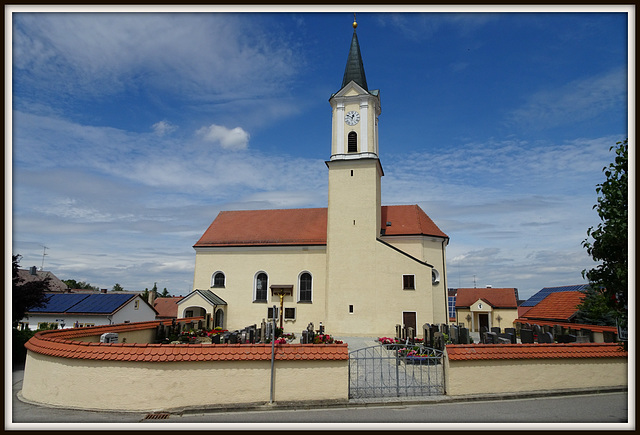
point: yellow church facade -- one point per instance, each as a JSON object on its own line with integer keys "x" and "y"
{"x": 357, "y": 267}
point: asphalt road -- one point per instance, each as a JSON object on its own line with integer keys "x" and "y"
{"x": 588, "y": 411}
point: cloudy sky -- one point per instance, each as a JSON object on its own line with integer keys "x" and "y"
{"x": 131, "y": 131}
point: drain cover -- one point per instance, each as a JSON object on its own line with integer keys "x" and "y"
{"x": 157, "y": 416}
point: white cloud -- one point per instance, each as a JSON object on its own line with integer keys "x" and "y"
{"x": 214, "y": 55}
{"x": 163, "y": 128}
{"x": 578, "y": 100}
{"x": 229, "y": 139}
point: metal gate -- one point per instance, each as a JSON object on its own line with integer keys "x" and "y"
{"x": 393, "y": 370}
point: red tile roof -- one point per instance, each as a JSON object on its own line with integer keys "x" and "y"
{"x": 167, "y": 307}
{"x": 461, "y": 352}
{"x": 61, "y": 343}
{"x": 496, "y": 297}
{"x": 307, "y": 226}
{"x": 556, "y": 306}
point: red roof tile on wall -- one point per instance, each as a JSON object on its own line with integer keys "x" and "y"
{"x": 556, "y": 306}
{"x": 567, "y": 325}
{"x": 496, "y": 297}
{"x": 305, "y": 226}
{"x": 461, "y": 352}
{"x": 60, "y": 343}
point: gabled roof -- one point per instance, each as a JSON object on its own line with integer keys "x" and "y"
{"x": 55, "y": 284}
{"x": 167, "y": 307}
{"x": 539, "y": 296}
{"x": 303, "y": 226}
{"x": 496, "y": 297}
{"x": 556, "y": 306}
{"x": 99, "y": 303}
{"x": 208, "y": 295}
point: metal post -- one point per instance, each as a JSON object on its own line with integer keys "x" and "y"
{"x": 273, "y": 351}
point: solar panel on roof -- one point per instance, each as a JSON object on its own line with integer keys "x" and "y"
{"x": 59, "y": 303}
{"x": 101, "y": 303}
{"x": 538, "y": 297}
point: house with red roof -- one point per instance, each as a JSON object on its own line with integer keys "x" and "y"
{"x": 357, "y": 267}
{"x": 488, "y": 307}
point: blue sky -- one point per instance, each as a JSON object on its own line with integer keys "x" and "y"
{"x": 131, "y": 131}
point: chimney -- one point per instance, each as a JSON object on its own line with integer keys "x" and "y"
{"x": 103, "y": 290}
{"x": 489, "y": 286}
{"x": 152, "y": 297}
{"x": 33, "y": 270}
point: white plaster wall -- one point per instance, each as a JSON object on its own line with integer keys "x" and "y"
{"x": 504, "y": 376}
{"x": 283, "y": 266}
{"x": 146, "y": 386}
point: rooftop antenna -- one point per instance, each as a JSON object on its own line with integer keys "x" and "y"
{"x": 474, "y": 281}
{"x": 44, "y": 252}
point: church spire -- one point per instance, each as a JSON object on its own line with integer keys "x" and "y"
{"x": 354, "y": 69}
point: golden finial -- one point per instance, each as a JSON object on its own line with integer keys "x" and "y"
{"x": 354, "y": 21}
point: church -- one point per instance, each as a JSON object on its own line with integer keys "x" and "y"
{"x": 357, "y": 267}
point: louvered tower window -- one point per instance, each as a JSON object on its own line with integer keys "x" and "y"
{"x": 352, "y": 142}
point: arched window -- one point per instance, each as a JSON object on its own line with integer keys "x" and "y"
{"x": 261, "y": 287}
{"x": 352, "y": 142}
{"x": 218, "y": 280}
{"x": 305, "y": 287}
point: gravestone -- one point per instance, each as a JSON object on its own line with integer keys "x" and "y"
{"x": 411, "y": 333}
{"x": 464, "y": 336}
{"x": 526, "y": 336}
{"x": 508, "y": 336}
{"x": 545, "y": 337}
{"x": 483, "y": 333}
{"x": 252, "y": 335}
{"x": 243, "y": 336}
{"x": 557, "y": 330}
{"x": 444, "y": 328}
{"x": 496, "y": 329}
{"x": 304, "y": 337}
{"x": 233, "y": 338}
{"x": 510, "y": 331}
{"x": 566, "y": 338}
{"x": 215, "y": 339}
{"x": 546, "y": 328}
{"x": 502, "y": 340}
{"x": 537, "y": 330}
{"x": 490, "y": 338}
{"x": 454, "y": 334}
{"x": 582, "y": 339}
{"x": 438, "y": 340}
{"x": 263, "y": 331}
{"x": 399, "y": 332}
{"x": 426, "y": 334}
{"x": 321, "y": 328}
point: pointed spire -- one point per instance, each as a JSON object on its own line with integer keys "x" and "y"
{"x": 354, "y": 69}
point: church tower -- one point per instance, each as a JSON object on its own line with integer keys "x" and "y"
{"x": 354, "y": 208}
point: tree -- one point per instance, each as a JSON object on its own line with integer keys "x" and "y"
{"x": 26, "y": 295}
{"x": 117, "y": 288}
{"x": 165, "y": 293}
{"x": 609, "y": 244}
{"x": 594, "y": 310}
{"x": 73, "y": 284}
{"x": 145, "y": 295}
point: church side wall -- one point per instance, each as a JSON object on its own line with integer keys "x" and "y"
{"x": 283, "y": 265}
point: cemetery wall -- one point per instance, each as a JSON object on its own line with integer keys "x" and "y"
{"x": 62, "y": 370}
{"x": 486, "y": 369}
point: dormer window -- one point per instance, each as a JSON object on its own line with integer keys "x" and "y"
{"x": 352, "y": 142}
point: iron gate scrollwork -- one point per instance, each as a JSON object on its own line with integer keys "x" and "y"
{"x": 394, "y": 370}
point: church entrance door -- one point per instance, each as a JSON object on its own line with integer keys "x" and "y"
{"x": 483, "y": 320}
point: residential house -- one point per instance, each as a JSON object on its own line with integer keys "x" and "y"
{"x": 69, "y": 310}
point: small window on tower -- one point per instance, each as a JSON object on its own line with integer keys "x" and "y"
{"x": 408, "y": 282}
{"x": 352, "y": 142}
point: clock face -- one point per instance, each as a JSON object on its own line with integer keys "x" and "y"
{"x": 352, "y": 118}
